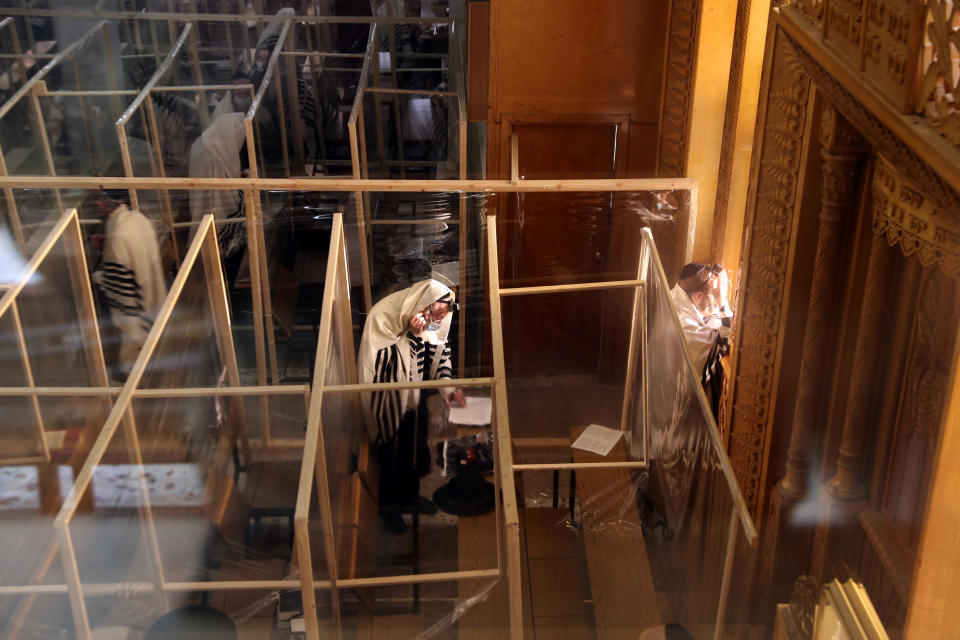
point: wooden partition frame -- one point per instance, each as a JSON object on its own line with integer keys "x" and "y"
{"x": 314, "y": 471}
{"x": 204, "y": 247}
{"x": 66, "y": 231}
{"x": 313, "y": 476}
{"x": 28, "y": 90}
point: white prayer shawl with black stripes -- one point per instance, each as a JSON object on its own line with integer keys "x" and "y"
{"x": 131, "y": 278}
{"x": 390, "y": 353}
{"x": 308, "y": 107}
{"x": 216, "y": 154}
{"x": 701, "y": 332}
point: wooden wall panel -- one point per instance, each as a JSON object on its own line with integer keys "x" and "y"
{"x": 478, "y": 60}
{"x": 571, "y": 58}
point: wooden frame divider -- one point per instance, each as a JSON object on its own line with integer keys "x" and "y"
{"x": 335, "y": 308}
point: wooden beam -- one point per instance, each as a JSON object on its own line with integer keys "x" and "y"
{"x": 581, "y": 286}
{"x": 514, "y": 159}
{"x": 423, "y": 384}
{"x": 26, "y": 274}
{"x": 220, "y": 312}
{"x": 28, "y": 375}
{"x": 634, "y": 345}
{"x": 502, "y": 431}
{"x": 313, "y": 469}
{"x": 45, "y": 145}
{"x": 731, "y": 550}
{"x": 410, "y": 92}
{"x": 361, "y": 218}
{"x": 560, "y": 466}
{"x": 713, "y": 432}
{"x": 78, "y": 606}
{"x": 321, "y": 184}
{"x": 397, "y": 111}
{"x": 28, "y": 86}
{"x": 218, "y": 17}
{"x": 165, "y": 196}
{"x": 931, "y": 612}
{"x": 13, "y": 213}
{"x": 147, "y": 524}
{"x": 418, "y": 578}
{"x": 85, "y": 477}
{"x": 293, "y": 99}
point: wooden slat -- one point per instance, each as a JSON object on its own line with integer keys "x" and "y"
{"x": 502, "y": 433}
{"x": 136, "y": 373}
{"x": 322, "y": 184}
{"x": 624, "y": 599}
{"x": 561, "y": 288}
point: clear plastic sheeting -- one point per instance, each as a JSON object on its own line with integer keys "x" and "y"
{"x": 233, "y": 466}
{"x": 697, "y": 520}
{"x": 608, "y": 225}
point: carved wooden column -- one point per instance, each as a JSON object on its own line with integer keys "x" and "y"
{"x": 847, "y": 484}
{"x": 843, "y": 151}
{"x": 844, "y": 494}
{"x": 786, "y": 542}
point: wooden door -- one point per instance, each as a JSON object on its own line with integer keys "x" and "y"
{"x": 554, "y": 238}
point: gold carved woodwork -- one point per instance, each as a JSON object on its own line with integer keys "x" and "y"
{"x": 772, "y": 197}
{"x": 847, "y": 484}
{"x": 785, "y": 541}
{"x": 941, "y": 82}
{"x": 812, "y": 11}
{"x": 843, "y": 151}
{"x": 880, "y": 38}
{"x": 678, "y": 88}
{"x": 728, "y": 147}
{"x": 913, "y": 222}
{"x": 761, "y": 298}
{"x": 892, "y": 50}
{"x": 878, "y": 135}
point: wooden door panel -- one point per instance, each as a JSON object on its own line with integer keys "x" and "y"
{"x": 548, "y": 238}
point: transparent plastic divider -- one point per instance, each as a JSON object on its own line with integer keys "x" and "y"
{"x": 608, "y": 224}
{"x": 437, "y": 610}
{"x": 692, "y": 497}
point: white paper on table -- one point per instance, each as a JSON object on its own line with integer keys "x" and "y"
{"x": 477, "y": 411}
{"x": 597, "y": 439}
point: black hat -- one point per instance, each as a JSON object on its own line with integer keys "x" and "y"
{"x": 467, "y": 494}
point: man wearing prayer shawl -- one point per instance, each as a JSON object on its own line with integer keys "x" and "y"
{"x": 305, "y": 99}
{"x": 405, "y": 340}
{"x": 216, "y": 154}
{"x": 130, "y": 276}
{"x": 700, "y": 297}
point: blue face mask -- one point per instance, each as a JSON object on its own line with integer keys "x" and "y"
{"x": 433, "y": 326}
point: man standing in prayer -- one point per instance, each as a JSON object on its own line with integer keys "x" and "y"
{"x": 130, "y": 275}
{"x": 700, "y": 297}
{"x": 216, "y": 154}
{"x": 405, "y": 340}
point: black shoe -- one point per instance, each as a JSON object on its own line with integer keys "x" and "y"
{"x": 393, "y": 523}
{"x": 426, "y": 507}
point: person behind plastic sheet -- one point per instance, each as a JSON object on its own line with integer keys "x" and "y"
{"x": 130, "y": 275}
{"x": 405, "y": 340}
{"x": 700, "y": 297}
{"x": 305, "y": 98}
{"x": 216, "y": 154}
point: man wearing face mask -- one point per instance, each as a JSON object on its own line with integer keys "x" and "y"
{"x": 405, "y": 340}
{"x": 308, "y": 109}
{"x": 235, "y": 100}
{"x": 700, "y": 298}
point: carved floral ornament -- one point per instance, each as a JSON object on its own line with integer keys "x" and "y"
{"x": 940, "y": 89}
{"x": 911, "y": 220}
